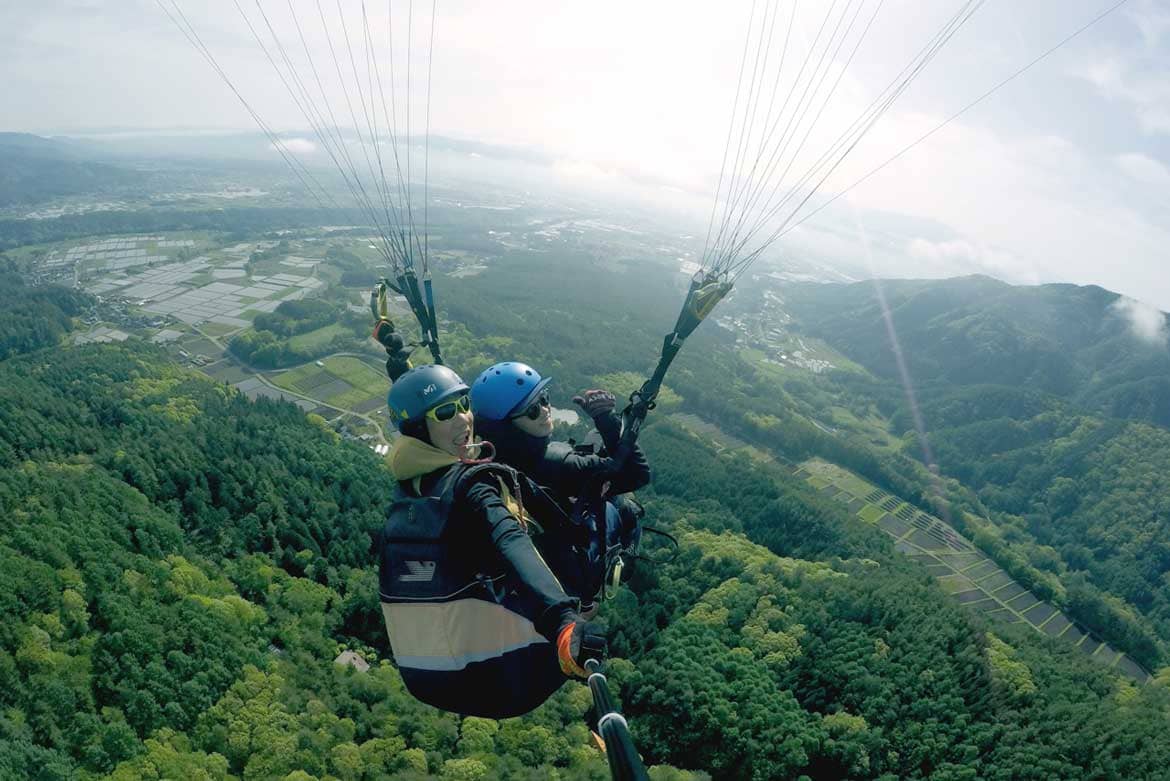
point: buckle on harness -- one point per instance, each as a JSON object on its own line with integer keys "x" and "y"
{"x": 613, "y": 578}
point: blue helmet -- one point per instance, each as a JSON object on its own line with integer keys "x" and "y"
{"x": 420, "y": 389}
{"x": 504, "y": 389}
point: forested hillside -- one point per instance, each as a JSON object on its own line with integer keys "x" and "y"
{"x": 1073, "y": 342}
{"x": 32, "y": 318}
{"x": 1020, "y": 391}
{"x": 181, "y": 566}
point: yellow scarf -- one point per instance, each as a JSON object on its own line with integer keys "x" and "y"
{"x": 410, "y": 458}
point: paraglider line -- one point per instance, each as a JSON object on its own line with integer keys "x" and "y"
{"x": 734, "y": 201}
{"x": 362, "y": 98}
{"x": 303, "y": 174}
{"x": 744, "y": 130}
{"x": 730, "y": 131}
{"x": 754, "y": 199}
{"x": 334, "y": 144}
{"x": 966, "y": 108}
{"x": 303, "y": 102}
{"x": 857, "y": 130}
{"x": 427, "y": 150}
{"x": 392, "y": 121}
{"x": 768, "y": 122}
{"x": 860, "y": 127}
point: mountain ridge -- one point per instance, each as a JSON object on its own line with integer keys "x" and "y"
{"x": 1072, "y": 341}
{"x": 34, "y": 169}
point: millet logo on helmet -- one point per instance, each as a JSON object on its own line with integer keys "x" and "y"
{"x": 427, "y": 391}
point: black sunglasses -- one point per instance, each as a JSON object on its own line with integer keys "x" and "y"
{"x": 533, "y": 411}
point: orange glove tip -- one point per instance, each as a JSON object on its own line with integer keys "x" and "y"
{"x": 568, "y": 664}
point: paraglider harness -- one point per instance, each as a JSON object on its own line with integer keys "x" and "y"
{"x": 450, "y": 610}
{"x": 604, "y": 562}
{"x": 417, "y": 527}
{"x": 415, "y": 532}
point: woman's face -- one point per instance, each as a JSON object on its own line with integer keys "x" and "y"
{"x": 451, "y": 435}
{"x": 542, "y": 425}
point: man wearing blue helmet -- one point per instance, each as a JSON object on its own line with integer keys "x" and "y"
{"x": 478, "y": 622}
{"x": 512, "y": 411}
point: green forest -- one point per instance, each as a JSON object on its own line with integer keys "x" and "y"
{"x": 32, "y": 318}
{"x": 1052, "y": 416}
{"x": 894, "y": 529}
{"x": 182, "y": 566}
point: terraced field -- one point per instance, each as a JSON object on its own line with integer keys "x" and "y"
{"x": 341, "y": 381}
{"x": 970, "y": 576}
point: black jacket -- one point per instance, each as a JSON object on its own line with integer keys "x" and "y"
{"x": 488, "y": 532}
{"x": 471, "y": 607}
{"x": 568, "y": 472}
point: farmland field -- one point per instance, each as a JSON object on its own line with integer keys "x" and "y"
{"x": 318, "y": 338}
{"x": 340, "y": 381}
{"x": 974, "y": 580}
{"x": 357, "y": 373}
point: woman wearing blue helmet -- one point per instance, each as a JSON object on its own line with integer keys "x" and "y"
{"x": 478, "y": 622}
{"x": 512, "y": 411}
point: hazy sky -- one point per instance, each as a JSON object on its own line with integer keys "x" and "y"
{"x": 1063, "y": 175}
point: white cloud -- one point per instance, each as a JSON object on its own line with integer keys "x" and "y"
{"x": 1057, "y": 211}
{"x": 1153, "y": 22}
{"x": 1144, "y": 169}
{"x": 1132, "y": 81}
{"x": 1146, "y": 322}
{"x": 584, "y": 169}
{"x": 298, "y": 146}
{"x": 935, "y": 251}
{"x": 972, "y": 258}
{"x": 1135, "y": 74}
{"x": 1156, "y": 120}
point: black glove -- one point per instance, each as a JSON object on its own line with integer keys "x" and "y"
{"x": 596, "y": 402}
{"x": 397, "y": 356}
{"x": 578, "y": 641}
{"x": 397, "y": 364}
